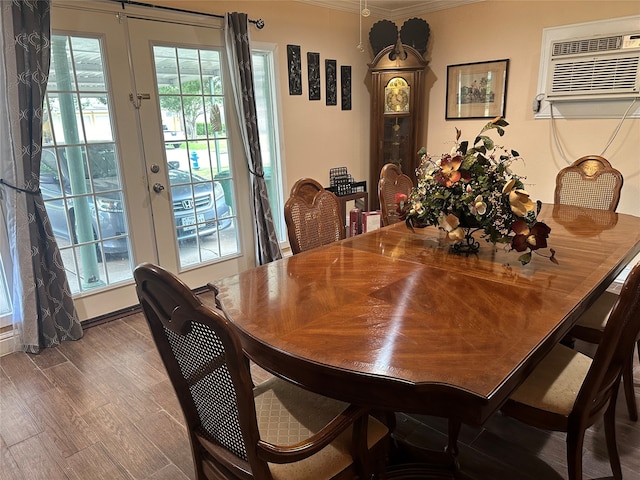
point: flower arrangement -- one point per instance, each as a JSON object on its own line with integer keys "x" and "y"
{"x": 471, "y": 189}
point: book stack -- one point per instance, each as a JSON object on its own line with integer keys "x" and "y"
{"x": 363, "y": 222}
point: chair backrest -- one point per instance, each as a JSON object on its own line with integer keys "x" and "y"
{"x": 207, "y": 368}
{"x": 590, "y": 182}
{"x": 618, "y": 340}
{"x": 392, "y": 181}
{"x": 313, "y": 216}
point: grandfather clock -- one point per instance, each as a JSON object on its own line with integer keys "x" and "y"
{"x": 397, "y": 92}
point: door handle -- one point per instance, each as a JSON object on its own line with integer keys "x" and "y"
{"x": 158, "y": 187}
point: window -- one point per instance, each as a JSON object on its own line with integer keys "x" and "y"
{"x": 266, "y": 106}
{"x": 5, "y": 298}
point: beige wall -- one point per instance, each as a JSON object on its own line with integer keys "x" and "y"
{"x": 513, "y": 30}
{"x": 318, "y": 137}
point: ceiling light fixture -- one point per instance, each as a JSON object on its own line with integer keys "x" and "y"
{"x": 360, "y": 46}
{"x": 364, "y": 12}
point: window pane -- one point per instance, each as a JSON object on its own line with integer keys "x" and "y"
{"x": 5, "y": 298}
{"x": 191, "y": 97}
{"x": 79, "y": 171}
{"x": 268, "y": 131}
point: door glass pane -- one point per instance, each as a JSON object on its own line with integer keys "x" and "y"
{"x": 79, "y": 172}
{"x": 191, "y": 97}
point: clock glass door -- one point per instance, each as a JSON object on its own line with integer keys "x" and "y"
{"x": 396, "y": 142}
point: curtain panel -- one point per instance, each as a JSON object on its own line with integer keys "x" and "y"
{"x": 44, "y": 313}
{"x": 238, "y": 48}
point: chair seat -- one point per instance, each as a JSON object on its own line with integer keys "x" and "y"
{"x": 306, "y": 414}
{"x": 555, "y": 382}
{"x": 597, "y": 315}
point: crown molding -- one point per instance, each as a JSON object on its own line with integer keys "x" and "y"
{"x": 389, "y": 9}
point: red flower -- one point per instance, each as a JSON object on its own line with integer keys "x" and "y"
{"x": 400, "y": 200}
{"x": 529, "y": 238}
{"x": 449, "y": 173}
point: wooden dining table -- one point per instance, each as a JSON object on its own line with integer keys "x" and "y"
{"x": 394, "y": 320}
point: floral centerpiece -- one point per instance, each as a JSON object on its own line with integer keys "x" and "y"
{"x": 472, "y": 189}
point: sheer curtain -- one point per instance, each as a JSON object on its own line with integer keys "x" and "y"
{"x": 43, "y": 313}
{"x": 239, "y": 54}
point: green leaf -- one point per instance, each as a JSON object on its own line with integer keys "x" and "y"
{"x": 525, "y": 258}
{"x": 538, "y": 206}
{"x": 488, "y": 143}
{"x": 463, "y": 147}
{"x": 514, "y": 153}
{"x": 500, "y": 121}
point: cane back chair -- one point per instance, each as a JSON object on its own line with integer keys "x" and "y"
{"x": 274, "y": 430}
{"x": 392, "y": 181}
{"x": 590, "y": 182}
{"x": 312, "y": 215}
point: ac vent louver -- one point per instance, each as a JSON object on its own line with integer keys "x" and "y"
{"x": 589, "y": 45}
{"x": 596, "y": 75}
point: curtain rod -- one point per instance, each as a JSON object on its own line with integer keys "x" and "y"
{"x": 259, "y": 23}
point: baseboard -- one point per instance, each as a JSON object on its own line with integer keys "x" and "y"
{"x": 8, "y": 343}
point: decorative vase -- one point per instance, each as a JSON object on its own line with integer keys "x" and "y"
{"x": 468, "y": 245}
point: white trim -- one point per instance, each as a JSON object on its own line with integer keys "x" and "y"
{"x": 8, "y": 343}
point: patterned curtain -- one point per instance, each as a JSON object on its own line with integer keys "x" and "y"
{"x": 44, "y": 313}
{"x": 239, "y": 55}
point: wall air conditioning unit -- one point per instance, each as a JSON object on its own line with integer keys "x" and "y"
{"x": 594, "y": 68}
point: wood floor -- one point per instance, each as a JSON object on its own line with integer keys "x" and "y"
{"x": 102, "y": 408}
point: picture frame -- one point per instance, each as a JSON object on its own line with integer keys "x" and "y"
{"x": 345, "y": 86}
{"x": 331, "y": 82}
{"x": 294, "y": 62}
{"x": 313, "y": 71}
{"x": 477, "y": 90}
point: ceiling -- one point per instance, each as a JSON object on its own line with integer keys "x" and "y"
{"x": 391, "y": 9}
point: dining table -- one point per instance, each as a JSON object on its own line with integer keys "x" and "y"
{"x": 397, "y": 321}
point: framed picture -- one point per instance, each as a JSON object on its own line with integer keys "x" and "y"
{"x": 313, "y": 70}
{"x": 345, "y": 86}
{"x": 477, "y": 90}
{"x": 295, "y": 69}
{"x": 331, "y": 76}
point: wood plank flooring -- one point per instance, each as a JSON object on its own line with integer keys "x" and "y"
{"x": 103, "y": 408}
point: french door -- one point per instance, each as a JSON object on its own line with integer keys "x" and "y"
{"x": 138, "y": 153}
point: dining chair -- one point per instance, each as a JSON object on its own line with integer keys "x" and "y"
{"x": 592, "y": 182}
{"x": 590, "y": 329}
{"x": 312, "y": 215}
{"x": 589, "y": 182}
{"x": 274, "y": 430}
{"x": 569, "y": 391}
{"x": 392, "y": 181}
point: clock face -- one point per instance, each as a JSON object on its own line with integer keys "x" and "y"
{"x": 396, "y": 100}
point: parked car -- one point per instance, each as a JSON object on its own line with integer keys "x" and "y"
{"x": 195, "y": 200}
{"x": 170, "y": 136}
